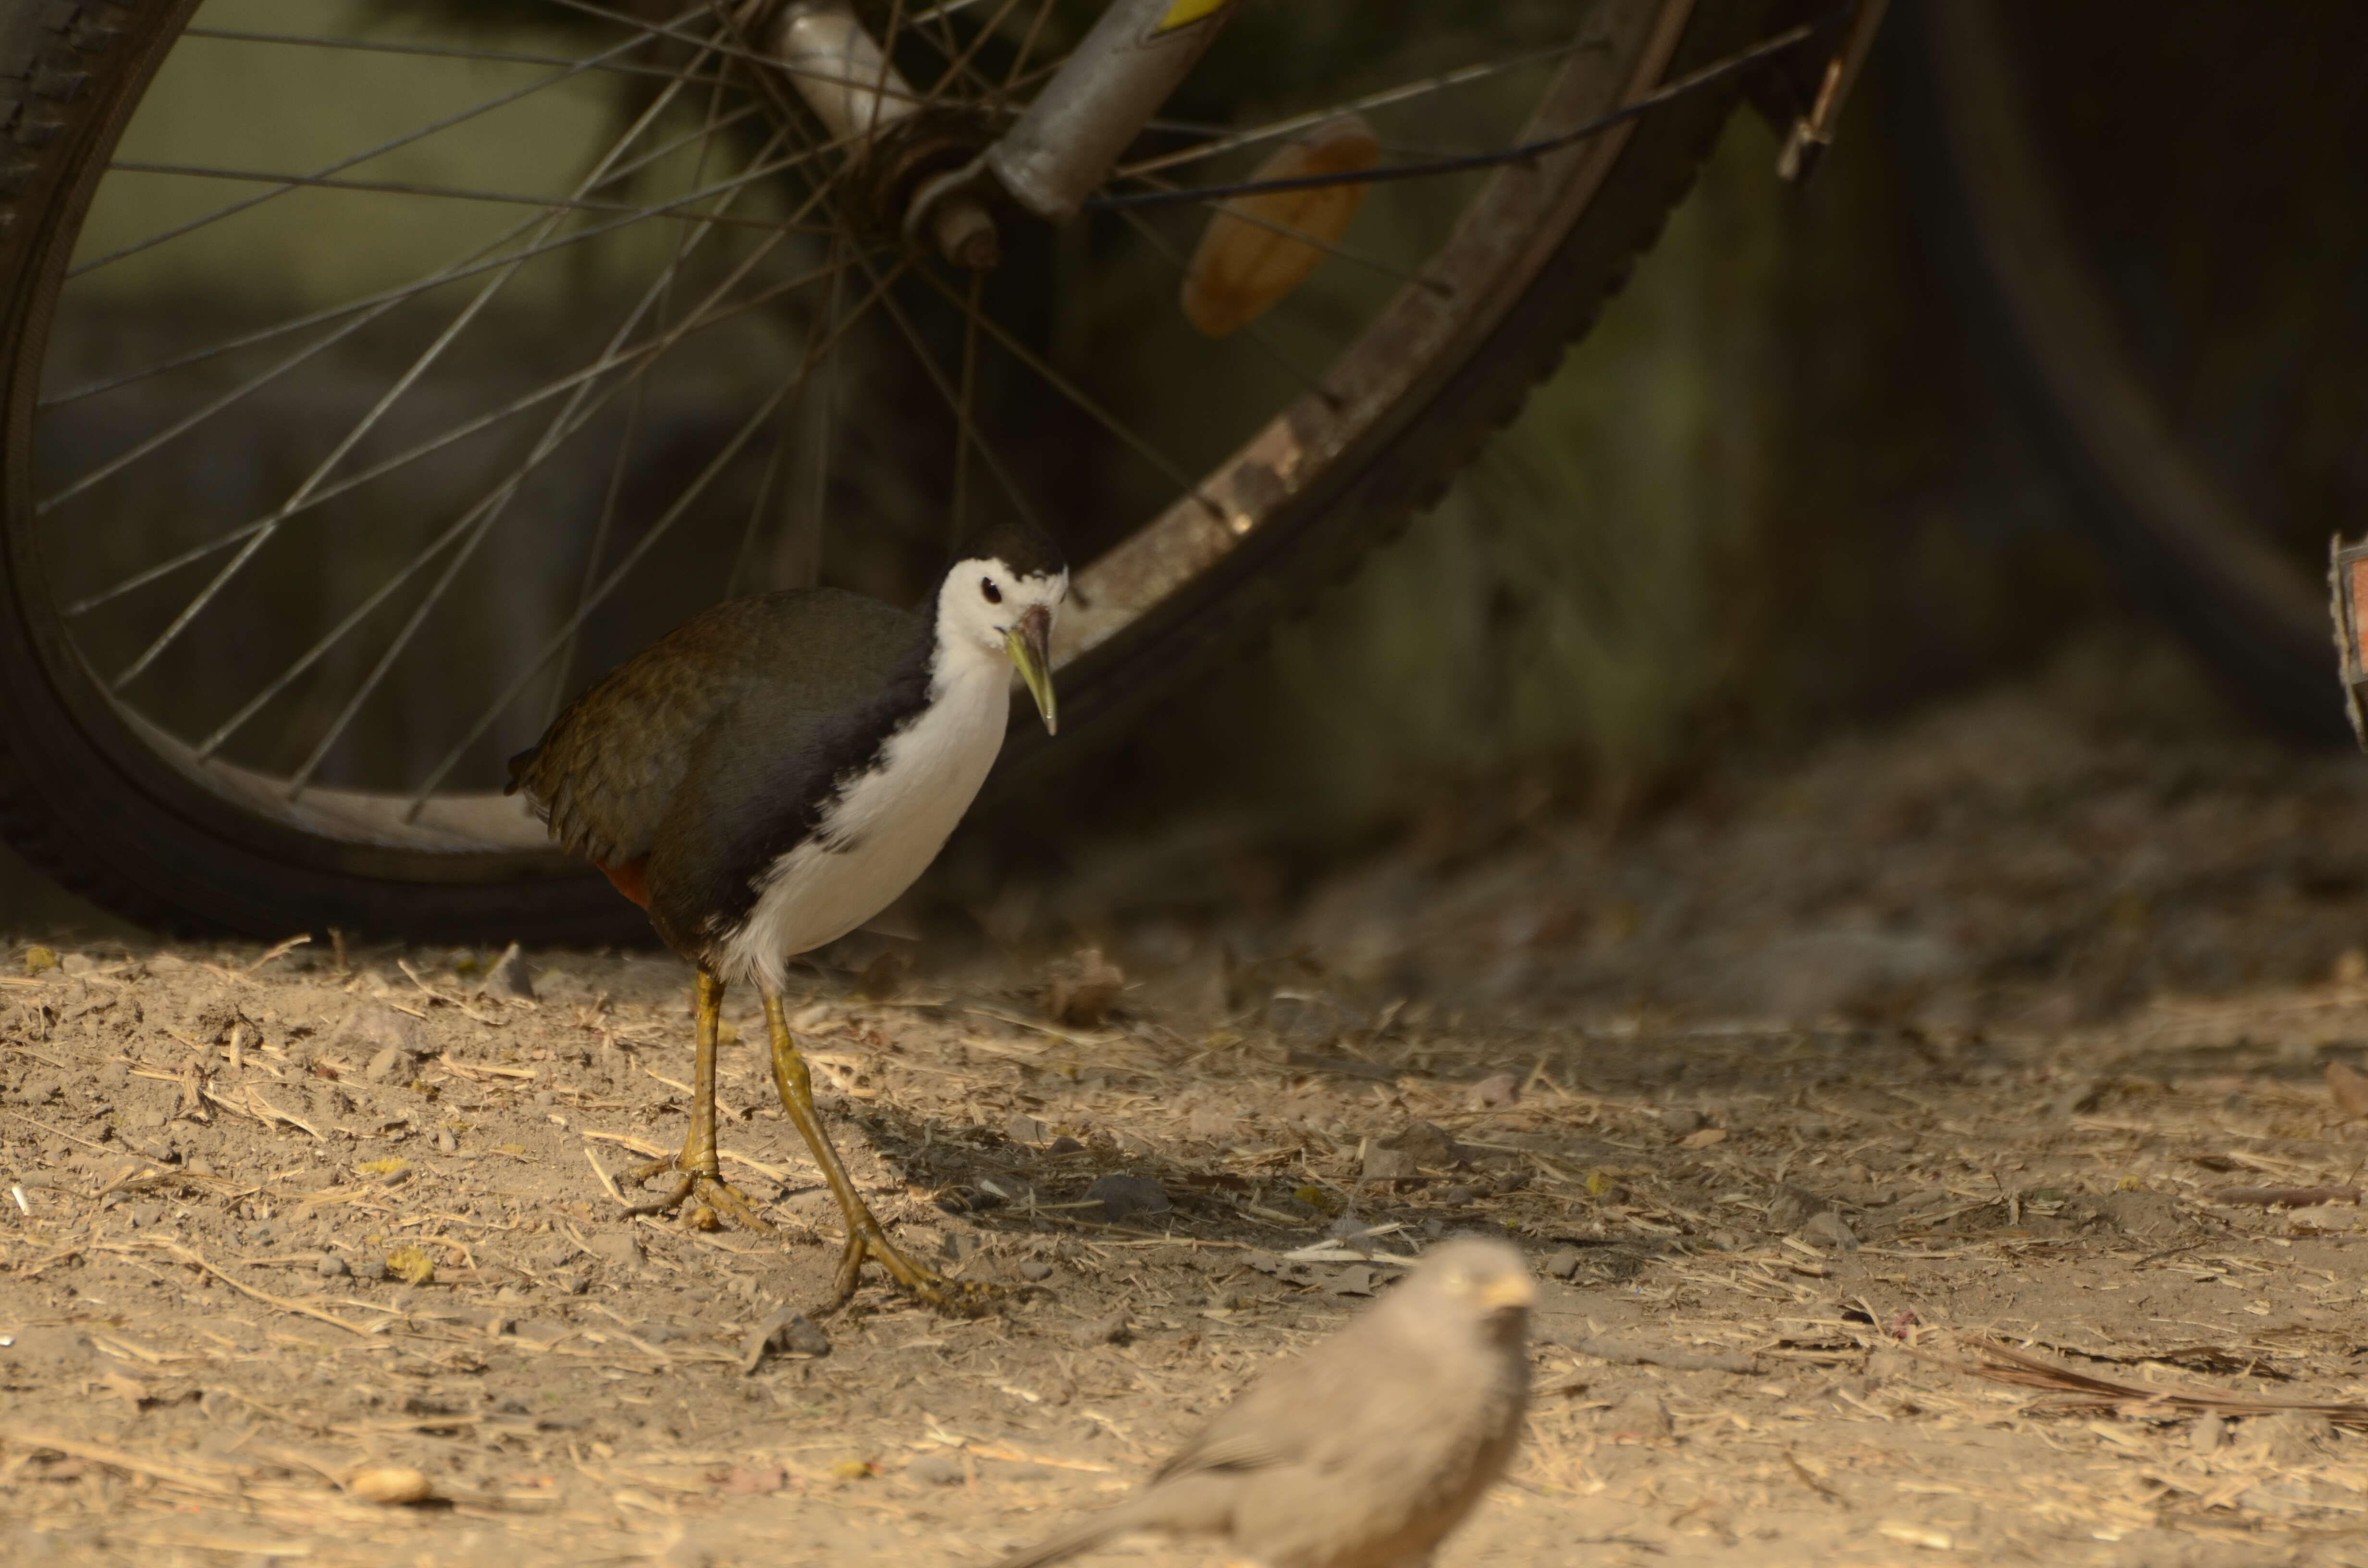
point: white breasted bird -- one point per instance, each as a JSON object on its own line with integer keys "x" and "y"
{"x": 778, "y": 770}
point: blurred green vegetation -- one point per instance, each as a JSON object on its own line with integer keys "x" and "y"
{"x": 1770, "y": 494}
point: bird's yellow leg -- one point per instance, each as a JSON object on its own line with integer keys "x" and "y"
{"x": 864, "y": 1236}
{"x": 703, "y": 1174}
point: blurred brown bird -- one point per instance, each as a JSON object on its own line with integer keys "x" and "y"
{"x": 1368, "y": 1451}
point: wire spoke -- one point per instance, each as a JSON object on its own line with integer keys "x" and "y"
{"x": 613, "y": 491}
{"x": 963, "y": 430}
{"x": 1231, "y": 141}
{"x": 364, "y": 156}
{"x": 945, "y": 390}
{"x": 562, "y": 429}
{"x": 1166, "y": 466}
{"x": 419, "y": 367}
{"x": 958, "y": 63}
{"x": 334, "y": 635}
{"x": 457, "y": 272}
{"x": 749, "y": 53}
{"x": 643, "y": 351}
{"x": 741, "y": 559}
{"x": 940, "y": 11}
{"x": 440, "y": 50}
{"x": 1236, "y": 210}
{"x": 488, "y": 511}
{"x": 1527, "y": 152}
{"x": 190, "y": 422}
{"x": 449, "y": 193}
{"x": 1251, "y": 329}
{"x": 658, "y": 531}
{"x": 478, "y": 521}
{"x": 815, "y": 502}
{"x": 1028, "y": 44}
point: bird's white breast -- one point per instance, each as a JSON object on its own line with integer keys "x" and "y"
{"x": 889, "y": 823}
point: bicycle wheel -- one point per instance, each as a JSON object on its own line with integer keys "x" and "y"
{"x": 2134, "y": 294}
{"x": 381, "y": 373}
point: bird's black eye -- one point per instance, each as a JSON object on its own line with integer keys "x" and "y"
{"x": 993, "y": 594}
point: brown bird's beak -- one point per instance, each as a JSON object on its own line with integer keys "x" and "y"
{"x": 1507, "y": 1291}
{"x": 1028, "y": 644}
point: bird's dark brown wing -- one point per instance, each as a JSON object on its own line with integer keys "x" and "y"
{"x": 605, "y": 772}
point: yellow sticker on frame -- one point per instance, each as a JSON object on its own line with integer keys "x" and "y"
{"x": 1184, "y": 13}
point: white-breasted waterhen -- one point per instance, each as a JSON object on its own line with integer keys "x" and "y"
{"x": 775, "y": 772}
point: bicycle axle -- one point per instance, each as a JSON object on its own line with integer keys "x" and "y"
{"x": 934, "y": 169}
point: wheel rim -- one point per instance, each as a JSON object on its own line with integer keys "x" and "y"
{"x": 149, "y": 681}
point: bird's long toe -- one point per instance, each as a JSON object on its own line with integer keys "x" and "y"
{"x": 721, "y": 1198}
{"x": 962, "y": 1297}
{"x": 673, "y": 1199}
{"x": 656, "y": 1168}
{"x": 711, "y": 1198}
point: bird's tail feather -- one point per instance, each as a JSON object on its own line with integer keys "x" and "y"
{"x": 1083, "y": 1536}
{"x": 1194, "y": 1505}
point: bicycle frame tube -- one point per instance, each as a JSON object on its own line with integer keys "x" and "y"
{"x": 1055, "y": 154}
{"x": 1065, "y": 144}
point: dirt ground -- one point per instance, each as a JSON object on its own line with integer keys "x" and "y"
{"x": 1912, "y": 1143}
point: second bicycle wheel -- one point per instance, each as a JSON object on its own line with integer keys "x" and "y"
{"x": 2154, "y": 224}
{"x": 380, "y": 374}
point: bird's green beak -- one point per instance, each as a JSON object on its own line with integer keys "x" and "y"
{"x": 1028, "y": 644}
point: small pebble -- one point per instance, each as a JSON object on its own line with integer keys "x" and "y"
{"x": 1025, "y": 1129}
{"x": 1497, "y": 1091}
{"x": 1457, "y": 1196}
{"x": 445, "y": 1143}
{"x": 391, "y": 1064}
{"x": 390, "y": 1485}
{"x": 1064, "y": 1144}
{"x": 1828, "y": 1231}
{"x": 1114, "y": 1329}
{"x": 332, "y": 1267}
{"x": 1124, "y": 1197}
{"x": 1562, "y": 1263}
{"x": 1035, "y": 1270}
{"x": 1641, "y": 1417}
{"x": 1682, "y": 1123}
{"x": 938, "y": 1470}
{"x": 369, "y": 1268}
{"x": 509, "y": 976}
{"x": 617, "y": 1248}
{"x": 790, "y": 1334}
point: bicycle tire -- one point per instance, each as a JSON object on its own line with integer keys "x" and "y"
{"x": 84, "y": 792}
{"x": 2043, "y": 320}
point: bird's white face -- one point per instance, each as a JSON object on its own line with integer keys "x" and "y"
{"x": 986, "y": 605}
